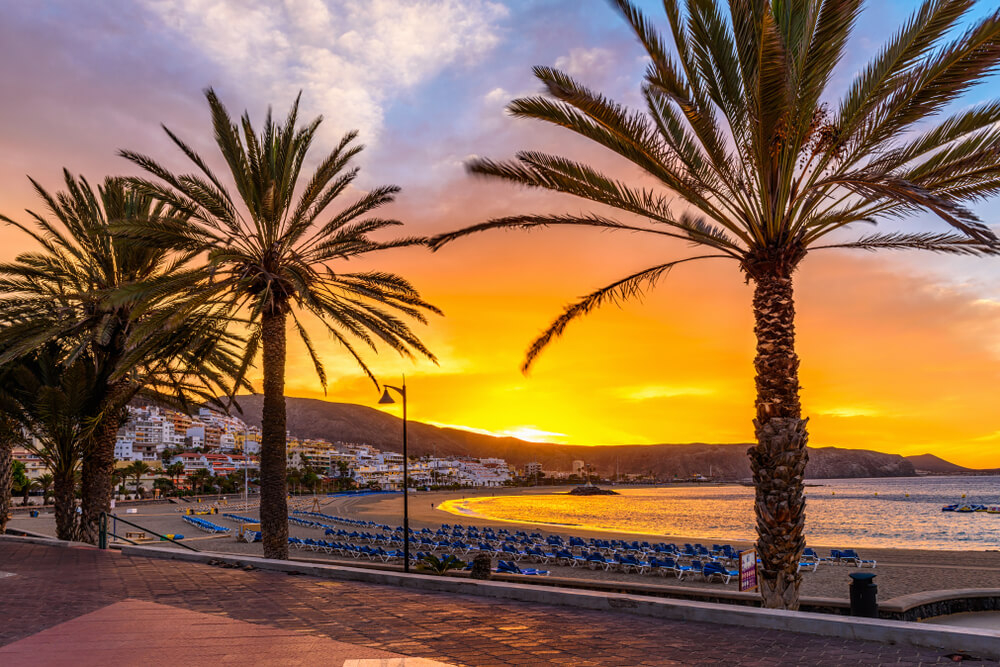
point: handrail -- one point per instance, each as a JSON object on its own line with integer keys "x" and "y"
{"x": 103, "y": 542}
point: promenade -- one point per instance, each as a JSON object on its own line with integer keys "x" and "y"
{"x": 83, "y": 606}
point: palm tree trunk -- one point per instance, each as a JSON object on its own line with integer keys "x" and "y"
{"x": 99, "y": 463}
{"x": 65, "y": 505}
{"x": 779, "y": 459}
{"x": 273, "y": 456}
{"x": 6, "y": 475}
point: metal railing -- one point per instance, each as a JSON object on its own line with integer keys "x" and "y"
{"x": 102, "y": 540}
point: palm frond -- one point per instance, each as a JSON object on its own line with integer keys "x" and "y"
{"x": 628, "y": 288}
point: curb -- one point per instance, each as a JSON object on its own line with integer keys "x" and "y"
{"x": 37, "y": 538}
{"x": 985, "y": 643}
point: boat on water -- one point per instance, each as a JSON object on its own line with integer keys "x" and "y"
{"x": 971, "y": 507}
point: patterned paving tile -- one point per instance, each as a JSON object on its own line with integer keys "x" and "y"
{"x": 58, "y": 584}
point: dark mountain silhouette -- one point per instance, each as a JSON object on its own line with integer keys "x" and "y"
{"x": 935, "y": 465}
{"x": 347, "y": 422}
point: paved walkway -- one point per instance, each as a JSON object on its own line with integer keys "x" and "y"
{"x": 81, "y": 606}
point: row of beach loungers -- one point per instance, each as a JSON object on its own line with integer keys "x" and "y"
{"x": 205, "y": 525}
{"x": 380, "y": 554}
{"x": 609, "y": 555}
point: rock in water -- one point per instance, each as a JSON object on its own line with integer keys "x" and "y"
{"x": 591, "y": 490}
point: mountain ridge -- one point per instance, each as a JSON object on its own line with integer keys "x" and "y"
{"x": 348, "y": 422}
{"x": 935, "y": 465}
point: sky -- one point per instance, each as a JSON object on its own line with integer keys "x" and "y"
{"x": 900, "y": 352}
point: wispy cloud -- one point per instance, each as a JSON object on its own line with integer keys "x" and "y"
{"x": 591, "y": 63}
{"x": 848, "y": 411}
{"x": 655, "y": 391}
{"x": 347, "y": 56}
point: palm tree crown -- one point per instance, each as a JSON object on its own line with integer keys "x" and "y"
{"x": 734, "y": 128}
{"x": 86, "y": 287}
{"x": 748, "y": 165}
{"x": 268, "y": 252}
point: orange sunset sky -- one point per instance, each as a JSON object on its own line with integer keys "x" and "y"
{"x": 900, "y": 353}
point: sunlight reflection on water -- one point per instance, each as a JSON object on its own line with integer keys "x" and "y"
{"x": 905, "y": 513}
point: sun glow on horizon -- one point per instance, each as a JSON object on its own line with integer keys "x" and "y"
{"x": 526, "y": 433}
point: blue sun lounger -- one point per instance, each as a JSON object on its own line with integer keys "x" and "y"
{"x": 510, "y": 567}
{"x": 717, "y": 570}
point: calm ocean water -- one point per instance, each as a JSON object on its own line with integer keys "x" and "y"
{"x": 892, "y": 513}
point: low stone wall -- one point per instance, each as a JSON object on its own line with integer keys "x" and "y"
{"x": 918, "y": 606}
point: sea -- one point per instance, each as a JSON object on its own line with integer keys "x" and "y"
{"x": 895, "y": 513}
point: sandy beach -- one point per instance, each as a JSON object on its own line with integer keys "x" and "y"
{"x": 899, "y": 571}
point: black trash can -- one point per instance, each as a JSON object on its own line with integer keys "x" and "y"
{"x": 864, "y": 595}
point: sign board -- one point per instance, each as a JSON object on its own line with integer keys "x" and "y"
{"x": 748, "y": 570}
{"x": 246, "y": 527}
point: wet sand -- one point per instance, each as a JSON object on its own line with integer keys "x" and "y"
{"x": 899, "y": 571}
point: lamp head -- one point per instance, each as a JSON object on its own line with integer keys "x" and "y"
{"x": 386, "y": 398}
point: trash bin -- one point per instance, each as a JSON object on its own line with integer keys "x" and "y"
{"x": 864, "y": 594}
{"x": 33, "y": 514}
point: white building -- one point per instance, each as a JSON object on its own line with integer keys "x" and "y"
{"x": 146, "y": 433}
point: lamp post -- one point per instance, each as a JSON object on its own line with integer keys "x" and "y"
{"x": 386, "y": 400}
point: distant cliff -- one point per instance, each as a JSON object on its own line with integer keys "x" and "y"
{"x": 928, "y": 464}
{"x": 311, "y": 418}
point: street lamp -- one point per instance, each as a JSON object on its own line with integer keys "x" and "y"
{"x": 386, "y": 400}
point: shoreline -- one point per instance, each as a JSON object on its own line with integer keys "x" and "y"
{"x": 446, "y": 510}
{"x": 898, "y": 572}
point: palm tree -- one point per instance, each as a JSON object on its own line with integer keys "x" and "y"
{"x": 136, "y": 470}
{"x": 45, "y": 484}
{"x": 200, "y": 479}
{"x": 750, "y": 167}
{"x": 6, "y": 469}
{"x": 268, "y": 257}
{"x": 27, "y": 486}
{"x": 86, "y": 286}
{"x": 164, "y": 485}
{"x": 56, "y": 403}
{"x": 175, "y": 471}
{"x": 118, "y": 478}
{"x": 10, "y": 435}
{"x": 293, "y": 478}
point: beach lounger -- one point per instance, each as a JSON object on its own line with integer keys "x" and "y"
{"x": 850, "y": 555}
{"x": 596, "y": 560}
{"x": 809, "y": 554}
{"x": 716, "y": 570}
{"x": 669, "y": 564}
{"x": 510, "y": 567}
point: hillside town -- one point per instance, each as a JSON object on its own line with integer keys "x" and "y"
{"x": 193, "y": 448}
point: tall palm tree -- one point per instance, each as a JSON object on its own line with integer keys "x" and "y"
{"x": 200, "y": 479}
{"x": 45, "y": 484}
{"x": 175, "y": 471}
{"x": 118, "y": 479}
{"x": 269, "y": 254}
{"x": 136, "y": 470}
{"x": 749, "y": 166}
{"x": 7, "y": 431}
{"x": 57, "y": 403}
{"x": 86, "y": 286}
{"x": 10, "y": 435}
